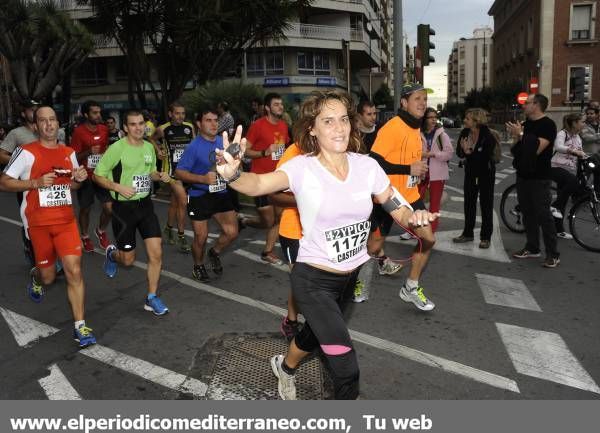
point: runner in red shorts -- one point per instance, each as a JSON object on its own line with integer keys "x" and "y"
{"x": 46, "y": 172}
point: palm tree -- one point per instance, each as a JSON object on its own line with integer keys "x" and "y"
{"x": 42, "y": 45}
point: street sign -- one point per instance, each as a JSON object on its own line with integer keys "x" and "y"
{"x": 533, "y": 85}
{"x": 522, "y": 98}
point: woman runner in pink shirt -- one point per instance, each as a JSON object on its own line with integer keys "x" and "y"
{"x": 334, "y": 186}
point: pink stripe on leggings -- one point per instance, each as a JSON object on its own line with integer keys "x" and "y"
{"x": 335, "y": 349}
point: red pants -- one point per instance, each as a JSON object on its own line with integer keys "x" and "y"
{"x": 436, "y": 188}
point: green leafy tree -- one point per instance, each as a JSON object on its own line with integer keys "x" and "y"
{"x": 185, "y": 40}
{"x": 383, "y": 96}
{"x": 42, "y": 45}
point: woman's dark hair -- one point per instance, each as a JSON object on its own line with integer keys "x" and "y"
{"x": 311, "y": 108}
{"x": 424, "y": 121}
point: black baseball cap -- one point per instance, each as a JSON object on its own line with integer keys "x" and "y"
{"x": 29, "y": 104}
{"x": 409, "y": 88}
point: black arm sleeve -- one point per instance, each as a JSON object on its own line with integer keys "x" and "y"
{"x": 388, "y": 167}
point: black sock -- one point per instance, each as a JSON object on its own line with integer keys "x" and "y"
{"x": 381, "y": 259}
{"x": 288, "y": 370}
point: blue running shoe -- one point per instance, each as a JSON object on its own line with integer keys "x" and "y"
{"x": 34, "y": 289}
{"x": 110, "y": 266}
{"x": 156, "y": 306}
{"x": 83, "y": 335}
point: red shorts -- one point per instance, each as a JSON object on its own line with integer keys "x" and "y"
{"x": 53, "y": 241}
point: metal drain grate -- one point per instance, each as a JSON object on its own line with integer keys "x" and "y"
{"x": 242, "y": 370}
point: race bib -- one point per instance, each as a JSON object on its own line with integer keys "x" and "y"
{"x": 177, "y": 154}
{"x": 412, "y": 181}
{"x": 142, "y": 183}
{"x": 276, "y": 156}
{"x": 218, "y": 186}
{"x": 55, "y": 195}
{"x": 93, "y": 160}
{"x": 345, "y": 242}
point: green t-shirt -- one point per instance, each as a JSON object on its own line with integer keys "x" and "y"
{"x": 130, "y": 166}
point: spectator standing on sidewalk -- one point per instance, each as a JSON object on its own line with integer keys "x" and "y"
{"x": 437, "y": 148}
{"x": 476, "y": 144}
{"x": 533, "y": 147}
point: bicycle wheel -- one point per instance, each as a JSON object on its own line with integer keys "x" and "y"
{"x": 510, "y": 211}
{"x": 584, "y": 223}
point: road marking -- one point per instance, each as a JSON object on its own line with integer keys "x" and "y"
{"x": 457, "y": 216}
{"x": 509, "y": 170}
{"x": 57, "y": 386}
{"x": 544, "y": 355}
{"x": 506, "y": 292}
{"x": 137, "y": 366}
{"x": 502, "y": 175}
{"x": 454, "y": 198}
{"x": 507, "y": 155}
{"x": 454, "y": 189}
{"x": 25, "y": 330}
{"x": 11, "y": 221}
{"x": 146, "y": 370}
{"x": 437, "y": 362}
{"x": 256, "y": 258}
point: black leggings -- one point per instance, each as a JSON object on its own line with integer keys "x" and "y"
{"x": 322, "y": 297}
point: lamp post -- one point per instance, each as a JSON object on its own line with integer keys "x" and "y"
{"x": 398, "y": 53}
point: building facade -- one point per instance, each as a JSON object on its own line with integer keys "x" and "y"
{"x": 553, "y": 42}
{"x": 469, "y": 65}
{"x": 312, "y": 55}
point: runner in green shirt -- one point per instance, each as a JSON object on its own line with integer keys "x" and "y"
{"x": 127, "y": 169}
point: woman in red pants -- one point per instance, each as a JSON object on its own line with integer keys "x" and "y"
{"x": 438, "y": 150}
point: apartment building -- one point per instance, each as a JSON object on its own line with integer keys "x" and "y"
{"x": 469, "y": 65}
{"x": 311, "y": 57}
{"x": 553, "y": 42}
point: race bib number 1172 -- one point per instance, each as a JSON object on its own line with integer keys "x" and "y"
{"x": 345, "y": 242}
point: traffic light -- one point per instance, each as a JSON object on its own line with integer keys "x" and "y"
{"x": 579, "y": 83}
{"x": 424, "y": 31}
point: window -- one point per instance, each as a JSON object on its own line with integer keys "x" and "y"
{"x": 263, "y": 62}
{"x": 581, "y": 21}
{"x": 92, "y": 72}
{"x": 313, "y": 63}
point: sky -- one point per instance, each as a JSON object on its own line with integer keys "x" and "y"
{"x": 451, "y": 20}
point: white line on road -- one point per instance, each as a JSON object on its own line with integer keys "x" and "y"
{"x": 454, "y": 198}
{"x": 25, "y": 330}
{"x": 457, "y": 215}
{"x": 57, "y": 386}
{"x": 452, "y": 188}
{"x": 11, "y": 221}
{"x": 146, "y": 370}
{"x": 544, "y": 355}
{"x": 502, "y": 175}
{"x": 256, "y": 258}
{"x": 506, "y": 292}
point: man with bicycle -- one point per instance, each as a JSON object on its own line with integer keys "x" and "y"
{"x": 532, "y": 149}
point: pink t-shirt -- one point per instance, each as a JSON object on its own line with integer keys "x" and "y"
{"x": 334, "y": 213}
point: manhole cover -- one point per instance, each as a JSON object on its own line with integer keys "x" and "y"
{"x": 237, "y": 367}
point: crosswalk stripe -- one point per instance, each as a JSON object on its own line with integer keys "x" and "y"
{"x": 544, "y": 355}
{"x": 146, "y": 370}
{"x": 57, "y": 386}
{"x": 506, "y": 292}
{"x": 502, "y": 175}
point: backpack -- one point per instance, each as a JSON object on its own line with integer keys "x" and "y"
{"x": 497, "y": 152}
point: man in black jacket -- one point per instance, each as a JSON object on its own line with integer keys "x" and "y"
{"x": 532, "y": 149}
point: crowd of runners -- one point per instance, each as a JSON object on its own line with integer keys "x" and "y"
{"x": 329, "y": 189}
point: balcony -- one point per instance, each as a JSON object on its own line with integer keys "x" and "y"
{"x": 356, "y": 6}
{"x": 330, "y": 37}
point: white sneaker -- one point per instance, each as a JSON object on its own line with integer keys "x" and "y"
{"x": 417, "y": 297}
{"x": 389, "y": 267}
{"x": 556, "y": 213}
{"x": 287, "y": 382}
{"x": 564, "y": 235}
{"x": 406, "y": 236}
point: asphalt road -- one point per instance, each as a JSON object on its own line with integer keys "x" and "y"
{"x": 502, "y": 328}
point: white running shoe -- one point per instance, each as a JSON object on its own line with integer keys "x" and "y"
{"x": 406, "y": 236}
{"x": 287, "y": 382}
{"x": 417, "y": 297}
{"x": 389, "y": 267}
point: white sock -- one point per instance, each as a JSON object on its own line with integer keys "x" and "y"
{"x": 79, "y": 324}
{"x": 412, "y": 284}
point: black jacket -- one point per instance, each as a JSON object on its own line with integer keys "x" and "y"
{"x": 482, "y": 159}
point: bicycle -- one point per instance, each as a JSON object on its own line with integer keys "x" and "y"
{"x": 584, "y": 215}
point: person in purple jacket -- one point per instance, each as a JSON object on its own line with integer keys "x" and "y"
{"x": 438, "y": 150}
{"x": 334, "y": 187}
